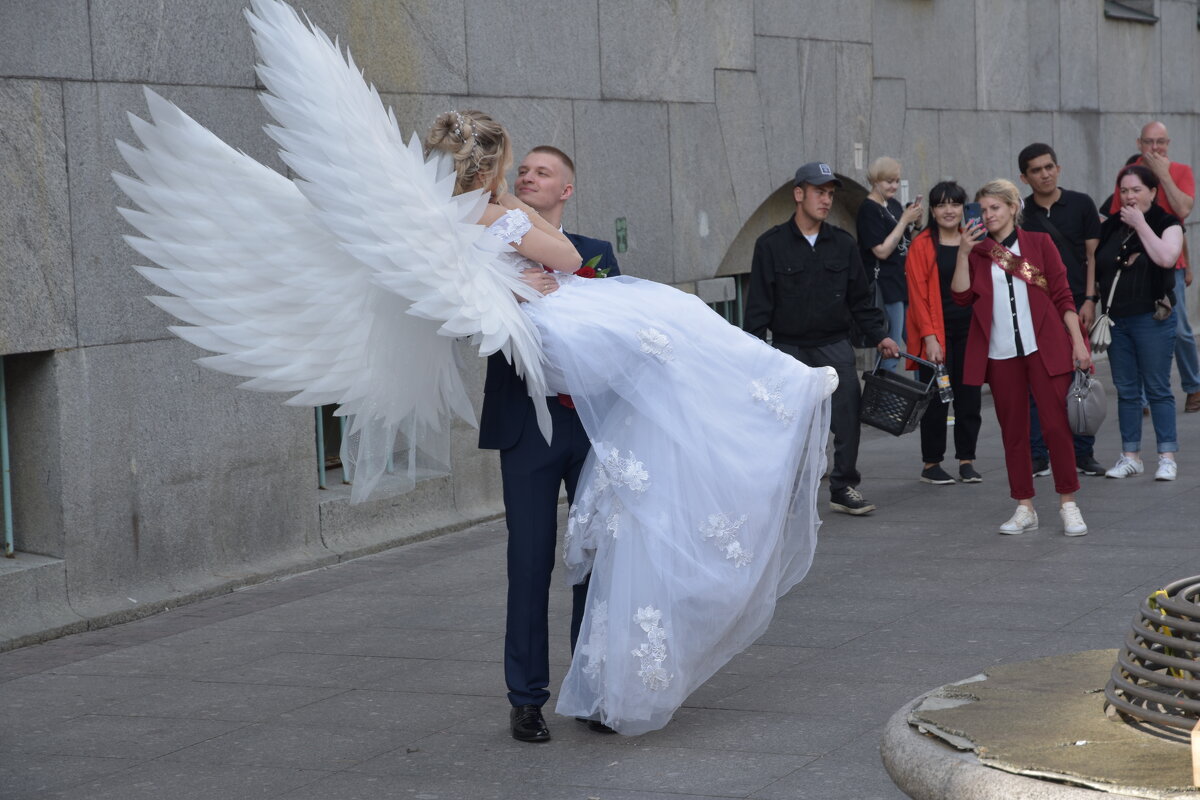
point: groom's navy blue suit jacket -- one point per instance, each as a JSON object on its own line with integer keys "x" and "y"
{"x": 507, "y": 409}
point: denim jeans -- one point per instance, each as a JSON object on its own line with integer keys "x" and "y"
{"x": 1186, "y": 357}
{"x": 1140, "y": 358}
{"x": 895, "y": 319}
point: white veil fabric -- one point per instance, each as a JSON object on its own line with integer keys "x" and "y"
{"x": 697, "y": 507}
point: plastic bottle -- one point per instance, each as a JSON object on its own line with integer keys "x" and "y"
{"x": 942, "y": 380}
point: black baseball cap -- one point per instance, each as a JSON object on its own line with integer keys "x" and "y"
{"x": 817, "y": 173}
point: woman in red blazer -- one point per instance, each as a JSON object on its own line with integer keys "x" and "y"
{"x": 1025, "y": 336}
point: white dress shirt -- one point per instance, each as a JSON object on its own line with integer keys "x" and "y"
{"x": 1010, "y": 314}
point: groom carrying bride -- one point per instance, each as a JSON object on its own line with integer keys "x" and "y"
{"x": 533, "y": 471}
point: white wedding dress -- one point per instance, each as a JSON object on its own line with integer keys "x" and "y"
{"x": 696, "y": 508}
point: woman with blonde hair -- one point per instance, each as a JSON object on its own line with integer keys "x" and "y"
{"x": 1025, "y": 336}
{"x": 883, "y": 233}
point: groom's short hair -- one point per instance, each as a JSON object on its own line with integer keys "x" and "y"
{"x": 550, "y": 149}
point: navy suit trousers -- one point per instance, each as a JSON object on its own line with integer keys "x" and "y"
{"x": 533, "y": 473}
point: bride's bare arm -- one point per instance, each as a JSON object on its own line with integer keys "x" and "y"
{"x": 544, "y": 243}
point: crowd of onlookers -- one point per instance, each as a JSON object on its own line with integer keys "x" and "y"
{"x": 1003, "y": 291}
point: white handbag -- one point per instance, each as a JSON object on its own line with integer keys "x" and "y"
{"x": 1101, "y": 331}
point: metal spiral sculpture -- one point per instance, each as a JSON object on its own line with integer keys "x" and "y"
{"x": 1155, "y": 681}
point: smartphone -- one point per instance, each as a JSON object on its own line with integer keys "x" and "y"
{"x": 972, "y": 212}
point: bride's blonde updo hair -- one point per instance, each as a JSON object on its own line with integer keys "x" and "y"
{"x": 478, "y": 145}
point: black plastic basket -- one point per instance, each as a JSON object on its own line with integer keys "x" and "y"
{"x": 894, "y": 403}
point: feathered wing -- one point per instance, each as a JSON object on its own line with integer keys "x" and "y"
{"x": 262, "y": 282}
{"x": 390, "y": 208}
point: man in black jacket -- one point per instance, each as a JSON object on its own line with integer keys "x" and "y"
{"x": 807, "y": 283}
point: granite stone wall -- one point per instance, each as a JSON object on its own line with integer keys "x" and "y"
{"x": 141, "y": 480}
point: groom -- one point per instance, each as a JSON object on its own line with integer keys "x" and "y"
{"x": 533, "y": 471}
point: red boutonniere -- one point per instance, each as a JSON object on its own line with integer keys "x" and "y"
{"x": 588, "y": 270}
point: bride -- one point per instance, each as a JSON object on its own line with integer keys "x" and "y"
{"x": 696, "y": 509}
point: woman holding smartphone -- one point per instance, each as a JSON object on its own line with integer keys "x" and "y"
{"x": 937, "y": 332}
{"x": 883, "y": 237}
{"x": 1024, "y": 336}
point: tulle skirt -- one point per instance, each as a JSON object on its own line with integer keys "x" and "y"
{"x": 696, "y": 509}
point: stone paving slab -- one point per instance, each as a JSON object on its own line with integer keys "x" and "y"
{"x": 381, "y": 677}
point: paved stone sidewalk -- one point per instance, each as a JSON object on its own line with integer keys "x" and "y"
{"x": 381, "y": 678}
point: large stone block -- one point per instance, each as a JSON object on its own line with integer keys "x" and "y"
{"x": 1077, "y": 143}
{"x": 622, "y": 148}
{"x": 818, "y": 71}
{"x": 1001, "y": 41}
{"x": 887, "y": 119}
{"x": 814, "y": 19}
{"x": 112, "y": 306}
{"x": 1118, "y": 141}
{"x": 744, "y": 146}
{"x": 173, "y": 41}
{"x": 975, "y": 147}
{"x": 667, "y": 51}
{"x": 406, "y": 46}
{"x": 703, "y": 208}
{"x": 932, "y": 46}
{"x": 45, "y": 40}
{"x": 922, "y": 151}
{"x": 854, "y": 84}
{"x": 1078, "y": 57}
{"x": 37, "y": 293}
{"x": 173, "y": 479}
{"x": 548, "y": 49}
{"x": 1181, "y": 55}
{"x": 1130, "y": 66}
{"x": 781, "y": 90}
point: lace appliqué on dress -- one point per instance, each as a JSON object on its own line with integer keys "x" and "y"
{"x": 597, "y": 641}
{"x": 656, "y": 343}
{"x": 652, "y": 652}
{"x": 613, "y": 522}
{"x": 627, "y": 472}
{"x": 769, "y": 392}
{"x": 723, "y": 530}
{"x": 511, "y": 227}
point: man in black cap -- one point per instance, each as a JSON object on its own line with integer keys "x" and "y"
{"x": 806, "y": 284}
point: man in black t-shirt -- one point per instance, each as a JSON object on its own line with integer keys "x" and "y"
{"x": 1072, "y": 221}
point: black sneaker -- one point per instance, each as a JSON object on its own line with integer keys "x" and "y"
{"x": 849, "y": 500}
{"x": 968, "y": 474}
{"x": 1088, "y": 465}
{"x": 1041, "y": 467}
{"x": 936, "y": 475}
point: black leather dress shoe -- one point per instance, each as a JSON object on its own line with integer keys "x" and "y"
{"x": 528, "y": 725}
{"x": 595, "y": 725}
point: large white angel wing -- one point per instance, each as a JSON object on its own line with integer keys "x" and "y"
{"x": 390, "y": 208}
{"x": 261, "y": 281}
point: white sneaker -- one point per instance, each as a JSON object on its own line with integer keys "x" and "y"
{"x": 1023, "y": 519}
{"x": 1125, "y": 467}
{"x": 1167, "y": 469}
{"x": 1073, "y": 524}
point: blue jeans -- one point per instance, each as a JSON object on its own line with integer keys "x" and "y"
{"x": 1084, "y": 445}
{"x": 1140, "y": 358}
{"x": 1186, "y": 357}
{"x": 895, "y": 319}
